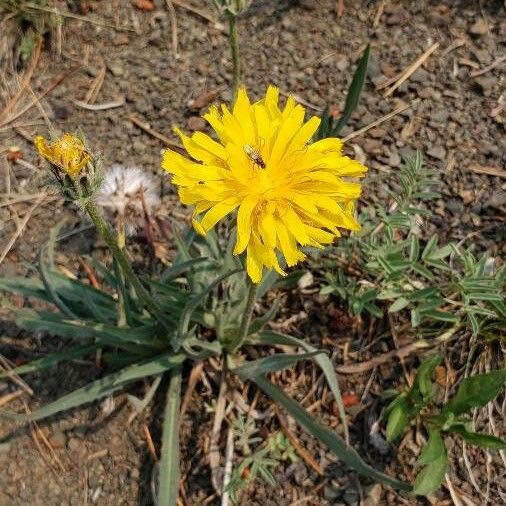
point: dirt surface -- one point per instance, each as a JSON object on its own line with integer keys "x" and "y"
{"x": 456, "y": 119}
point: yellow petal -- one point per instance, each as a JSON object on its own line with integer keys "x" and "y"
{"x": 244, "y": 223}
{"x": 217, "y": 212}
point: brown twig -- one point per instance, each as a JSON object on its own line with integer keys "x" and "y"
{"x": 57, "y": 81}
{"x": 193, "y": 380}
{"x": 10, "y": 397}
{"x": 100, "y": 107}
{"x": 403, "y": 352}
{"x": 214, "y": 449}
{"x": 301, "y": 451}
{"x": 89, "y": 273}
{"x": 149, "y": 441}
{"x": 489, "y": 171}
{"x": 26, "y": 79}
{"x": 381, "y": 120}
{"x": 92, "y": 94}
{"x": 200, "y": 13}
{"x": 406, "y": 74}
{"x": 173, "y": 26}
{"x": 147, "y": 128}
{"x": 20, "y": 229}
{"x": 488, "y": 68}
{"x": 379, "y": 13}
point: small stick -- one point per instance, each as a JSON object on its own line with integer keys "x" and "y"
{"x": 149, "y": 441}
{"x": 229, "y": 457}
{"x": 380, "y": 120}
{"x": 195, "y": 375}
{"x": 173, "y": 25}
{"x": 488, "y": 68}
{"x": 87, "y": 19}
{"x": 200, "y": 13}
{"x": 26, "y": 79}
{"x": 10, "y": 397}
{"x": 379, "y": 13}
{"x": 89, "y": 272}
{"x": 219, "y": 415}
{"x": 96, "y": 85}
{"x": 20, "y": 229}
{"x": 489, "y": 171}
{"x": 100, "y": 107}
{"x": 339, "y": 8}
{"x": 403, "y": 352}
{"x": 303, "y": 453}
{"x": 6, "y": 367}
{"x": 145, "y": 126}
{"x": 412, "y": 68}
{"x": 59, "y": 79}
{"x": 300, "y": 100}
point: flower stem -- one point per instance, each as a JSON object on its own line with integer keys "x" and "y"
{"x": 124, "y": 263}
{"x": 234, "y": 49}
{"x": 246, "y": 317}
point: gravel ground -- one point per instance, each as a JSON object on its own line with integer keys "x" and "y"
{"x": 456, "y": 119}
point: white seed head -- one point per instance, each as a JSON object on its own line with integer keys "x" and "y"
{"x": 122, "y": 192}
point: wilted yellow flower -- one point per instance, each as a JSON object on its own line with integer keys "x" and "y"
{"x": 68, "y": 153}
{"x": 286, "y": 191}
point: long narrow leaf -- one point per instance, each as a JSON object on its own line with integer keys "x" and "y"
{"x": 52, "y": 359}
{"x": 169, "y": 463}
{"x": 273, "y": 363}
{"x": 354, "y": 91}
{"x": 102, "y": 387}
{"x": 275, "y": 338}
{"x": 349, "y": 456}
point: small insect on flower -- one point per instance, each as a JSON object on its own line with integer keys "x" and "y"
{"x": 66, "y": 154}
{"x": 254, "y": 155}
{"x": 123, "y": 191}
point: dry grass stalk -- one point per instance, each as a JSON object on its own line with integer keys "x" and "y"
{"x": 406, "y": 74}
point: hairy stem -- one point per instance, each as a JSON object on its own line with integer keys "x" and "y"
{"x": 124, "y": 263}
{"x": 246, "y": 317}
{"x": 234, "y": 49}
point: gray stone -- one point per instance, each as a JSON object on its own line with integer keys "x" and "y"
{"x": 437, "y": 152}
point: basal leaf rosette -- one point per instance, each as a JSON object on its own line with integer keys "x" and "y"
{"x": 286, "y": 191}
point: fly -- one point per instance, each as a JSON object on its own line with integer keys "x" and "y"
{"x": 254, "y": 156}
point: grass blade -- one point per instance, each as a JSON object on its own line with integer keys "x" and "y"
{"x": 273, "y": 363}
{"x": 276, "y": 338}
{"x": 102, "y": 387}
{"x": 52, "y": 359}
{"x": 354, "y": 92}
{"x": 169, "y": 463}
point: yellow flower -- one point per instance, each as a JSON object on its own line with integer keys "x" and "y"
{"x": 286, "y": 191}
{"x": 68, "y": 153}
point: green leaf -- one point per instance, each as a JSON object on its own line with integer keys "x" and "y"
{"x": 440, "y": 315}
{"x": 347, "y": 454}
{"x": 399, "y": 304}
{"x": 102, "y": 387}
{"x": 169, "y": 461}
{"x": 354, "y": 91}
{"x": 475, "y": 392}
{"x": 475, "y": 438}
{"x": 430, "y": 477}
{"x": 258, "y": 323}
{"x": 423, "y": 378}
{"x": 273, "y": 363}
{"x": 434, "y": 450}
{"x": 398, "y": 418}
{"x": 275, "y": 338}
{"x": 52, "y": 359}
{"x": 429, "y": 247}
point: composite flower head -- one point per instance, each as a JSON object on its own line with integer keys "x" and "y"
{"x": 67, "y": 153}
{"x": 287, "y": 192}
